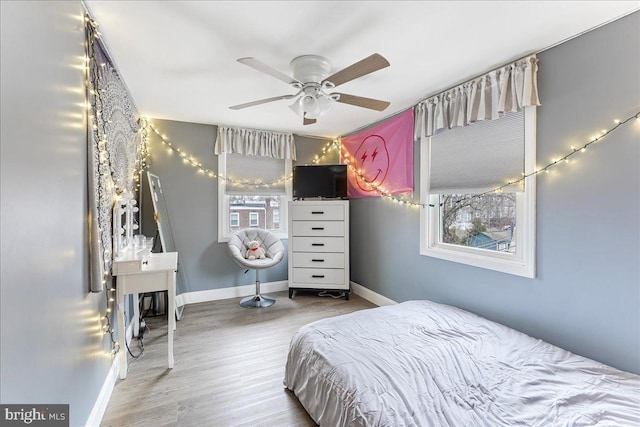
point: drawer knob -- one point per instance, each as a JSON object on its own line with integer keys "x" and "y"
{"x": 318, "y": 276}
{"x": 317, "y": 244}
{"x": 317, "y": 228}
{"x": 317, "y": 260}
{"x": 317, "y": 212}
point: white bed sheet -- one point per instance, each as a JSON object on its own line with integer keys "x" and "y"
{"x": 420, "y": 363}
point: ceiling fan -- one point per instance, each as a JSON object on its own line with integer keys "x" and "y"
{"x": 312, "y": 80}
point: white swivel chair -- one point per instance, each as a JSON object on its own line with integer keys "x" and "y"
{"x": 274, "y": 250}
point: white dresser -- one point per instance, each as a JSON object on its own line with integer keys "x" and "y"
{"x": 319, "y": 245}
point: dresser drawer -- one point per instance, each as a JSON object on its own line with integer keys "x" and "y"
{"x": 323, "y": 212}
{"x": 318, "y": 228}
{"x": 318, "y": 260}
{"x": 312, "y": 276}
{"x": 317, "y": 244}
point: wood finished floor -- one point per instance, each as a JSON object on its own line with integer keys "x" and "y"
{"x": 229, "y": 366}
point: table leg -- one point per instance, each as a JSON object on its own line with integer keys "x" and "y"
{"x": 121, "y": 333}
{"x": 171, "y": 313}
{"x": 136, "y": 314}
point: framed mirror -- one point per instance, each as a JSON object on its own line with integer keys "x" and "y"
{"x": 161, "y": 218}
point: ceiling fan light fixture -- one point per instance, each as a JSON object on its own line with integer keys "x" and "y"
{"x": 313, "y": 106}
{"x": 325, "y": 104}
{"x": 310, "y": 105}
{"x": 297, "y": 108}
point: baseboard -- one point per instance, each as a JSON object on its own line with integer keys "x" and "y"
{"x": 95, "y": 417}
{"x": 283, "y": 285}
{"x": 370, "y": 295}
{"x": 232, "y": 292}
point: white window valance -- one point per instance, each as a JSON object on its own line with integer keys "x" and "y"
{"x": 487, "y": 97}
{"x": 251, "y": 142}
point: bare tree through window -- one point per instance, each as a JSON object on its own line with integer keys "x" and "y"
{"x": 485, "y": 222}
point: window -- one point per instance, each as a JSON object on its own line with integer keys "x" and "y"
{"x": 234, "y": 219}
{"x": 243, "y": 204}
{"x": 484, "y": 231}
{"x": 253, "y": 219}
{"x": 461, "y": 220}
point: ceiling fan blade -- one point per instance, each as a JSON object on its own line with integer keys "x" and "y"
{"x": 359, "y": 101}
{"x": 260, "y": 66}
{"x": 261, "y": 101}
{"x": 361, "y": 68}
{"x": 306, "y": 121}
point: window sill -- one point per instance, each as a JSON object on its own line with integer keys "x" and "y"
{"x": 225, "y": 239}
{"x": 502, "y": 262}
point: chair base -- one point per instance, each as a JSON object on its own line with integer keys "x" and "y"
{"x": 257, "y": 301}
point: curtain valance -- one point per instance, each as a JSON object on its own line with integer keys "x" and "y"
{"x": 488, "y": 97}
{"x": 251, "y": 142}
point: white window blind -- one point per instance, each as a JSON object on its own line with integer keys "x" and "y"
{"x": 252, "y": 169}
{"x": 478, "y": 157}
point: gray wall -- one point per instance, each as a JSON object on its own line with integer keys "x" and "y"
{"x": 586, "y": 297}
{"x": 192, "y": 200}
{"x": 49, "y": 348}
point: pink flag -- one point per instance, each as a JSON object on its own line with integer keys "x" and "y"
{"x": 382, "y": 157}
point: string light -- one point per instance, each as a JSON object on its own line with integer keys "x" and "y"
{"x": 546, "y": 168}
{"x": 384, "y": 193}
{"x": 187, "y": 159}
{"x": 143, "y": 154}
{"x": 107, "y": 181}
{"x": 335, "y": 145}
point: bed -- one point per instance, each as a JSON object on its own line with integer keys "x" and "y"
{"x": 420, "y": 363}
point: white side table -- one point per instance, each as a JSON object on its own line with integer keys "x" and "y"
{"x": 135, "y": 275}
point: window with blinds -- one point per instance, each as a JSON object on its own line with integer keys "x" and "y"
{"x": 243, "y": 172}
{"x": 252, "y": 192}
{"x": 477, "y": 208}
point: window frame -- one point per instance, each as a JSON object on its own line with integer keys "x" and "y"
{"x": 523, "y": 262}
{"x": 253, "y": 215}
{"x": 224, "y": 232}
{"x": 237, "y": 217}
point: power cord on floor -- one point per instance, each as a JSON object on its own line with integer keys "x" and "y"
{"x": 141, "y": 329}
{"x": 140, "y": 344}
{"x": 329, "y": 294}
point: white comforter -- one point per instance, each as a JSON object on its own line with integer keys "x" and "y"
{"x": 425, "y": 364}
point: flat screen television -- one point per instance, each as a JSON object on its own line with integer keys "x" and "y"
{"x": 320, "y": 181}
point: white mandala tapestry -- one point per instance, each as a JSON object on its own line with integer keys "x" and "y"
{"x": 113, "y": 148}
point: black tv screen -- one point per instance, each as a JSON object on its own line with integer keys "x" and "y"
{"x": 320, "y": 181}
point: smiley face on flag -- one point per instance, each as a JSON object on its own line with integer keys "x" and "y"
{"x": 380, "y": 158}
{"x": 372, "y": 158}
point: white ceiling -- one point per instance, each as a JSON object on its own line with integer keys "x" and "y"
{"x": 178, "y": 58}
